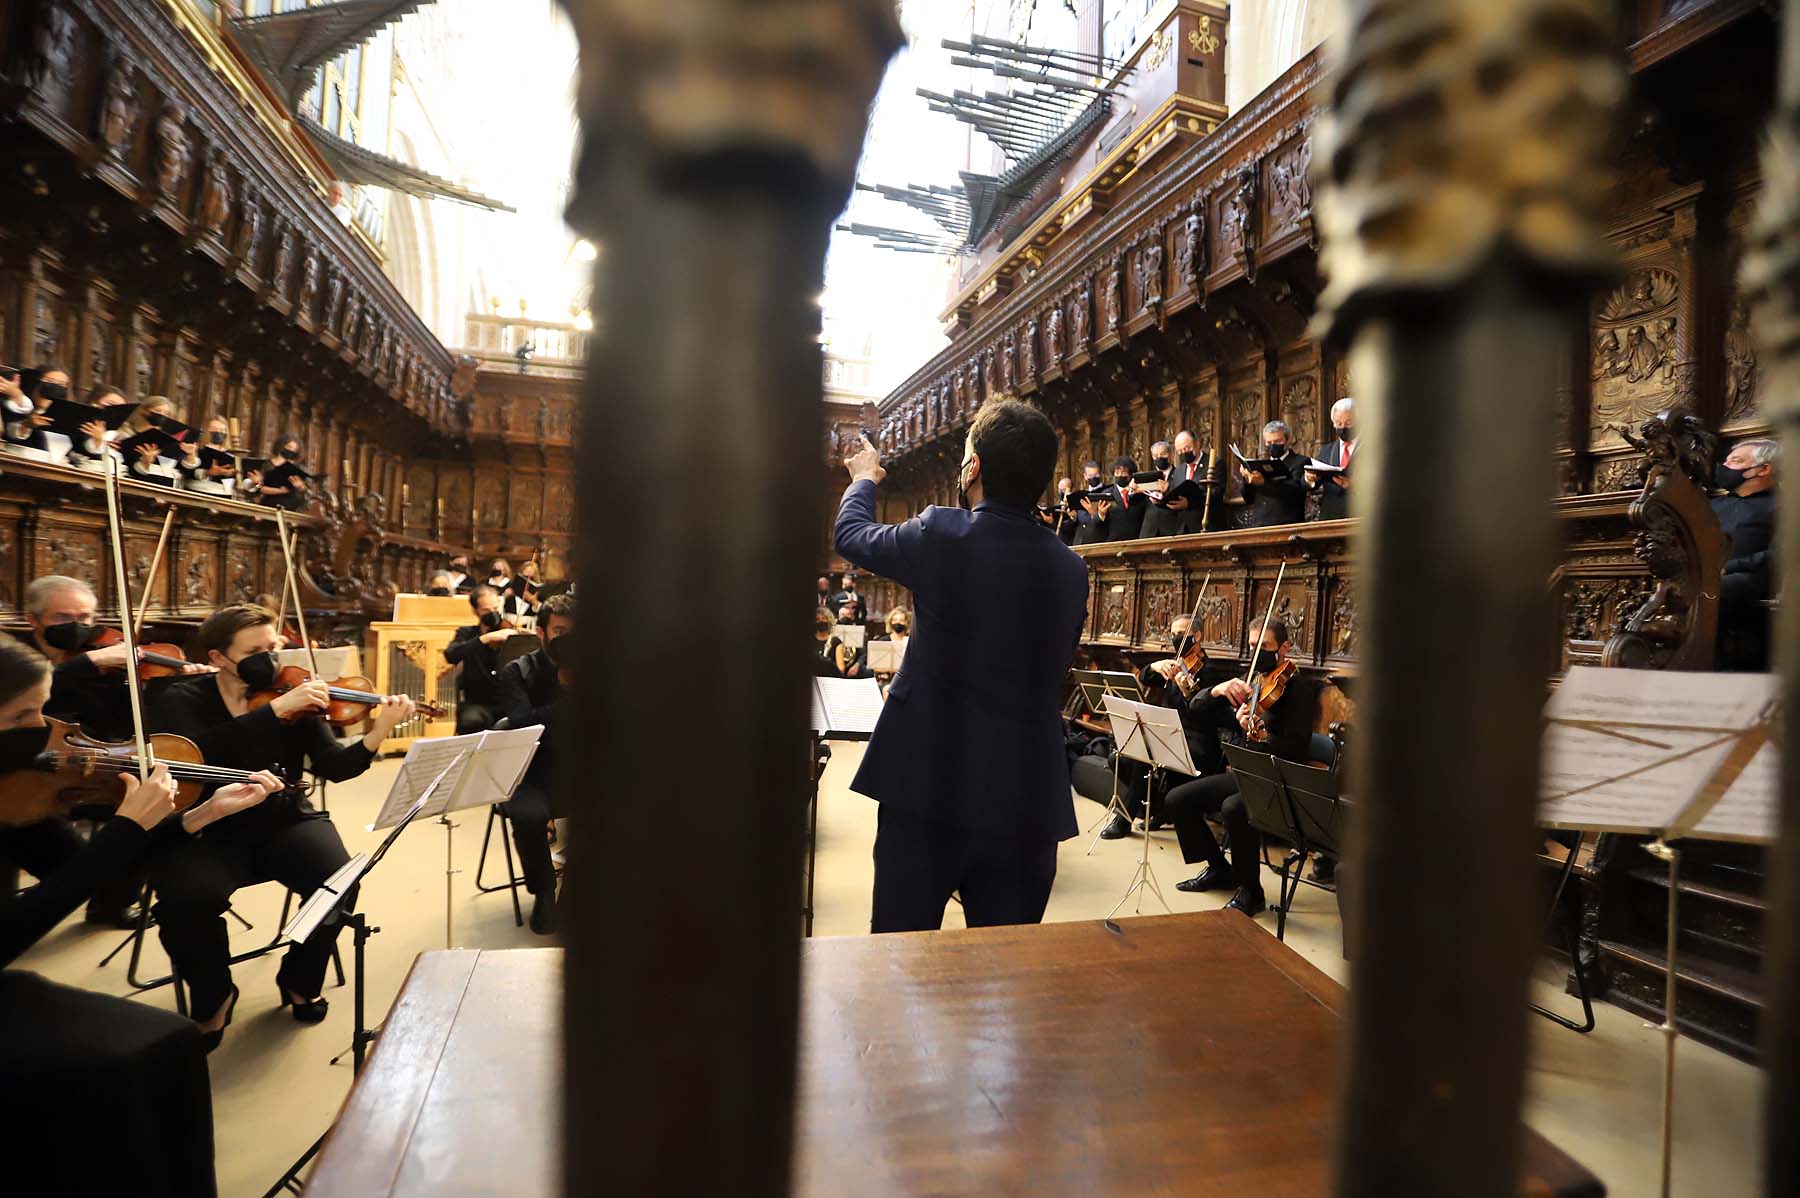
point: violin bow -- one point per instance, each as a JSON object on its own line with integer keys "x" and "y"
{"x": 1268, "y": 617}
{"x": 127, "y": 628}
{"x": 293, "y": 591}
{"x": 1193, "y": 623}
{"x": 156, "y": 560}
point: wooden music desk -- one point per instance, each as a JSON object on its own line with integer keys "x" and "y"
{"x": 1186, "y": 1054}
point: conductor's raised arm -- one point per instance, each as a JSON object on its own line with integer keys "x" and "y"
{"x": 861, "y": 539}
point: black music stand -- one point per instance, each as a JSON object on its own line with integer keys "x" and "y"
{"x": 1269, "y": 809}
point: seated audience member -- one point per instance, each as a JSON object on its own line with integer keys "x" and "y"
{"x": 1334, "y": 489}
{"x": 129, "y": 1068}
{"x": 1280, "y": 496}
{"x": 1090, "y": 524}
{"x": 284, "y": 483}
{"x": 285, "y": 839}
{"x": 826, "y": 665}
{"x": 475, "y": 650}
{"x": 1204, "y": 710}
{"x": 1745, "y": 506}
{"x": 1285, "y": 731}
{"x": 531, "y": 690}
{"x": 851, "y": 663}
{"x": 1124, "y": 518}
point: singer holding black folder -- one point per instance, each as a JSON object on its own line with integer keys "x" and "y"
{"x": 284, "y": 482}
{"x": 1334, "y": 489}
{"x": 967, "y": 758}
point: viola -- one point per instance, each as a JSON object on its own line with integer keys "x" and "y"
{"x": 79, "y": 772}
{"x": 156, "y": 660}
{"x": 352, "y": 698}
{"x": 1266, "y": 690}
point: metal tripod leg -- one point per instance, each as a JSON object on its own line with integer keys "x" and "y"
{"x": 1114, "y": 807}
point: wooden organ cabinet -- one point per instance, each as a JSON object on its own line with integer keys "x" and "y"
{"x": 407, "y": 657}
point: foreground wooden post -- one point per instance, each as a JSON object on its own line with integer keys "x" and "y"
{"x": 1459, "y": 241}
{"x": 719, "y": 138}
{"x": 1772, "y": 278}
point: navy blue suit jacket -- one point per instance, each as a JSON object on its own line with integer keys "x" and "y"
{"x": 972, "y": 732}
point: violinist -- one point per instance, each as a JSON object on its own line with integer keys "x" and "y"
{"x": 531, "y": 692}
{"x": 137, "y": 1072}
{"x": 285, "y": 839}
{"x": 1283, "y": 729}
{"x": 1204, "y": 708}
{"x": 476, "y": 649}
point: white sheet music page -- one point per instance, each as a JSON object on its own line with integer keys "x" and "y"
{"x": 885, "y": 656}
{"x": 1629, "y": 750}
{"x": 498, "y": 765}
{"x": 848, "y": 705}
{"x": 1148, "y": 734}
{"x": 1747, "y": 810}
{"x": 425, "y": 759}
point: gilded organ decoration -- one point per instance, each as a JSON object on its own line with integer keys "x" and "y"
{"x": 1635, "y": 365}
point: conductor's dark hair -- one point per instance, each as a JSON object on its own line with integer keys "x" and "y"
{"x": 1017, "y": 447}
{"x": 21, "y": 667}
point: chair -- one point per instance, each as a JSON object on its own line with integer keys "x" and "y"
{"x": 513, "y": 880}
{"x": 1571, "y": 841}
{"x": 1270, "y": 812}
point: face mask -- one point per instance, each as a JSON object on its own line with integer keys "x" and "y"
{"x": 1094, "y": 483}
{"x": 1276, "y": 451}
{"x": 1266, "y": 660}
{"x": 438, "y": 591}
{"x": 899, "y": 630}
{"x": 70, "y": 637}
{"x": 216, "y": 438}
{"x": 1181, "y": 643}
{"x": 1727, "y": 478}
{"x": 1121, "y": 481}
{"x": 491, "y": 621}
{"x": 291, "y": 452}
{"x": 459, "y": 567}
{"x": 1188, "y": 457}
{"x": 52, "y": 391}
{"x": 1347, "y": 433}
{"x": 19, "y": 747}
{"x": 1160, "y": 463}
{"x": 257, "y": 671}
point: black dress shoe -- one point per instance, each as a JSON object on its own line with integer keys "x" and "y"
{"x": 1117, "y": 828}
{"x": 543, "y": 915}
{"x": 123, "y": 918}
{"x": 304, "y": 1010}
{"x": 216, "y": 1037}
{"x": 1250, "y": 902}
{"x": 1213, "y": 877}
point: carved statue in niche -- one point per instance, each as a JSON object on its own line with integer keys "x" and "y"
{"x": 1290, "y": 186}
{"x": 173, "y": 155}
{"x": 1008, "y": 379}
{"x": 1028, "y": 351}
{"x": 52, "y": 48}
{"x": 282, "y": 268}
{"x": 972, "y": 372}
{"x": 1078, "y": 316}
{"x": 352, "y": 309}
{"x": 118, "y": 108}
{"x": 334, "y": 298}
{"x": 243, "y": 575}
{"x": 1343, "y": 622}
{"x": 196, "y": 591}
{"x": 1246, "y": 419}
{"x": 1187, "y": 250}
{"x": 9, "y": 551}
{"x": 249, "y": 239}
{"x": 1237, "y": 235}
{"x": 1635, "y": 363}
{"x": 1110, "y": 302}
{"x": 215, "y": 195}
{"x": 1740, "y": 364}
{"x": 1300, "y": 408}
{"x": 1150, "y": 283}
{"x": 990, "y": 372}
{"x": 1160, "y": 607}
{"x": 1053, "y": 342}
{"x": 559, "y": 506}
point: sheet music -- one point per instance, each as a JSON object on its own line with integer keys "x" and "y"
{"x": 425, "y": 758}
{"x": 1747, "y": 811}
{"x": 846, "y": 706}
{"x": 501, "y": 758}
{"x": 1629, "y": 750}
{"x": 318, "y": 904}
{"x": 851, "y": 635}
{"x": 885, "y": 656}
{"x": 1149, "y": 734}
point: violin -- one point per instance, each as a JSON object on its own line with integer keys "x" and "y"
{"x": 1266, "y": 690}
{"x": 79, "y": 772}
{"x": 154, "y": 660}
{"x": 352, "y": 698}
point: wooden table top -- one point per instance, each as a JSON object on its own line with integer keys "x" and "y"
{"x": 1187, "y": 1054}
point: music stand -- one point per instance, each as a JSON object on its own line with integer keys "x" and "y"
{"x": 1093, "y": 686}
{"x": 1153, "y": 736}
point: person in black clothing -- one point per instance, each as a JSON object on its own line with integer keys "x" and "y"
{"x": 476, "y": 649}
{"x": 1334, "y": 489}
{"x": 1745, "y": 507}
{"x": 286, "y": 839}
{"x": 1159, "y": 521}
{"x": 1124, "y": 519}
{"x": 826, "y": 662}
{"x": 1061, "y": 518}
{"x": 1279, "y": 497}
{"x": 1090, "y": 526}
{"x": 1204, "y": 710}
{"x": 20, "y": 398}
{"x": 824, "y": 592}
{"x": 284, "y": 481}
{"x": 849, "y": 595}
{"x": 134, "y": 1070}
{"x": 1288, "y": 727}
{"x": 531, "y": 688}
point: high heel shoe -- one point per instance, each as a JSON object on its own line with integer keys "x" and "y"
{"x": 305, "y": 1011}
{"x": 213, "y": 1039}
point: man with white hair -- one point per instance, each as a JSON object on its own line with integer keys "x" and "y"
{"x": 1334, "y": 489}
{"x": 1745, "y": 506}
{"x": 1277, "y": 495}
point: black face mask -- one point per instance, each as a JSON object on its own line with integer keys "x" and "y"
{"x": 1347, "y": 433}
{"x": 216, "y": 438}
{"x": 290, "y": 452}
{"x": 52, "y": 391}
{"x": 1266, "y": 660}
{"x": 438, "y": 591}
{"x": 1276, "y": 452}
{"x": 1095, "y": 483}
{"x": 1181, "y": 643}
{"x": 19, "y": 747}
{"x": 1189, "y": 457}
{"x": 1727, "y": 478}
{"x": 1121, "y": 481}
{"x": 1160, "y": 463}
{"x": 491, "y": 621}
{"x": 257, "y": 670}
{"x": 70, "y": 637}
{"x": 459, "y": 567}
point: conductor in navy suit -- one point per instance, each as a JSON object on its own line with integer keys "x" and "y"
{"x": 967, "y": 759}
